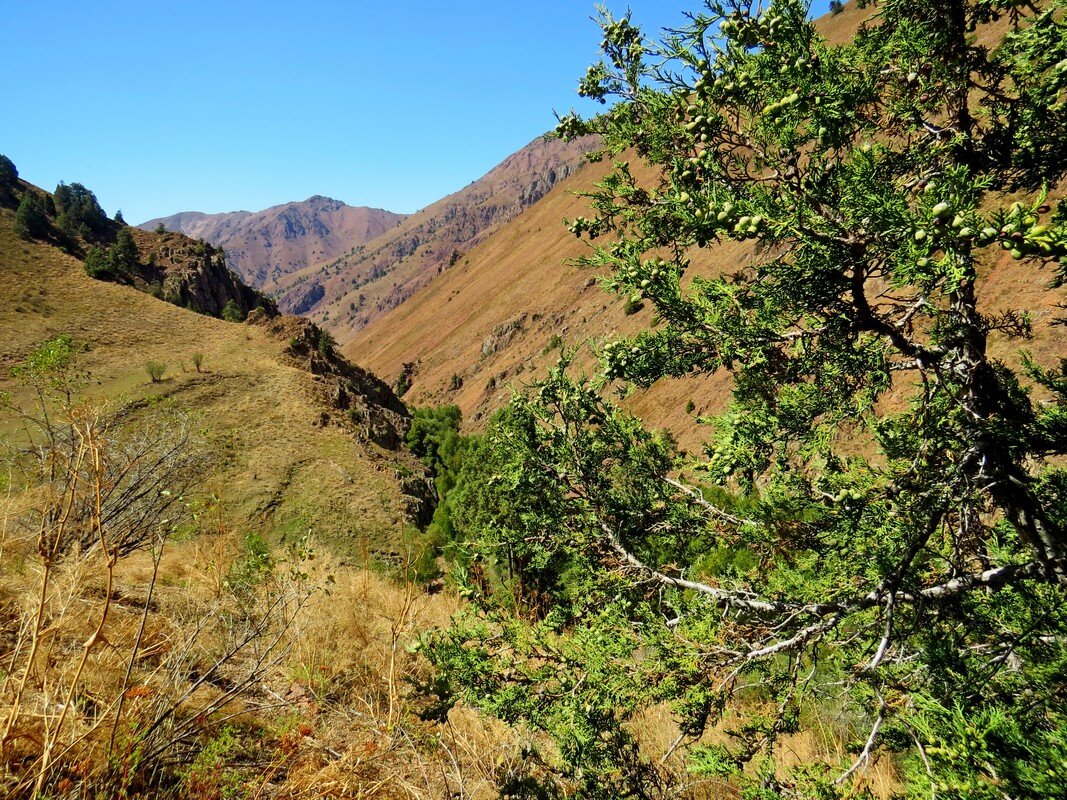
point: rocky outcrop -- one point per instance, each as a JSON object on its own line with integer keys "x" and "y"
{"x": 304, "y": 297}
{"x": 502, "y": 334}
{"x": 194, "y": 275}
{"x": 358, "y": 400}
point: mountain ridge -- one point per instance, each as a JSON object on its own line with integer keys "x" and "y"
{"x": 263, "y": 246}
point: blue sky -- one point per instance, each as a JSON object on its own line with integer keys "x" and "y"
{"x": 162, "y": 107}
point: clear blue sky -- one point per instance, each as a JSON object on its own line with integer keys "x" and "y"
{"x": 162, "y": 107}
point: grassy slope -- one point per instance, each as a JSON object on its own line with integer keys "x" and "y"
{"x": 276, "y": 467}
{"x": 361, "y": 286}
{"x": 523, "y": 269}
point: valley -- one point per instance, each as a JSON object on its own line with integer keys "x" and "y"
{"x": 713, "y": 445}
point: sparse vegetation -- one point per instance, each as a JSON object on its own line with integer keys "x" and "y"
{"x": 155, "y": 370}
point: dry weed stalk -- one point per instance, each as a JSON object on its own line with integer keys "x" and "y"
{"x": 84, "y": 706}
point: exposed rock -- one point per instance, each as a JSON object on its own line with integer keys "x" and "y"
{"x": 360, "y": 400}
{"x": 304, "y": 297}
{"x": 502, "y": 335}
{"x": 193, "y": 275}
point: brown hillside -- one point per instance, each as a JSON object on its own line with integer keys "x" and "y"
{"x": 492, "y": 322}
{"x": 295, "y": 440}
{"x": 353, "y": 290}
{"x": 264, "y": 246}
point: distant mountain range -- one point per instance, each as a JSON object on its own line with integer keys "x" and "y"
{"x": 344, "y": 266}
{"x": 360, "y": 286}
{"x": 265, "y": 246}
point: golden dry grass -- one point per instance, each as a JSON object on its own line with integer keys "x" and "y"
{"x": 525, "y": 269}
{"x": 259, "y": 414}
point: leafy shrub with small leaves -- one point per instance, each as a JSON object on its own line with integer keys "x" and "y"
{"x": 155, "y": 370}
{"x": 908, "y": 558}
{"x": 198, "y": 360}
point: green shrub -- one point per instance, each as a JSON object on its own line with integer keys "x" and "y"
{"x": 31, "y": 219}
{"x": 325, "y": 344}
{"x": 97, "y": 263}
{"x": 231, "y": 312}
{"x": 155, "y": 370}
{"x": 198, "y": 360}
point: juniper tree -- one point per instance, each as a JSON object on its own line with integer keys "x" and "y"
{"x": 9, "y": 173}
{"x": 31, "y": 220}
{"x": 878, "y": 519}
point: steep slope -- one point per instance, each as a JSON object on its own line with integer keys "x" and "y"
{"x": 296, "y": 439}
{"x": 496, "y": 321}
{"x": 346, "y": 294}
{"x": 264, "y": 246}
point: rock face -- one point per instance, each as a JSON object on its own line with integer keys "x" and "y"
{"x": 359, "y": 397}
{"x": 193, "y": 275}
{"x": 346, "y": 294}
{"x": 264, "y": 246}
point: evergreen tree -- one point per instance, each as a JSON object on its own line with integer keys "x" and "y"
{"x": 9, "y": 174}
{"x": 31, "y": 221}
{"x": 79, "y": 211}
{"x": 123, "y": 254}
{"x": 919, "y": 587}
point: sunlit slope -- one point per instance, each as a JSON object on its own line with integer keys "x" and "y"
{"x": 493, "y": 322}
{"x": 283, "y": 459}
{"x": 346, "y": 294}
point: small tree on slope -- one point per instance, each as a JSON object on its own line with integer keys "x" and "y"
{"x": 919, "y": 592}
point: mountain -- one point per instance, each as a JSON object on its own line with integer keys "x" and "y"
{"x": 496, "y": 320}
{"x": 346, "y": 294}
{"x": 264, "y": 246}
{"x": 297, "y": 436}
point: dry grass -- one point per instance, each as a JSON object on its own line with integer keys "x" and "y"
{"x": 272, "y": 462}
{"x": 524, "y": 269}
